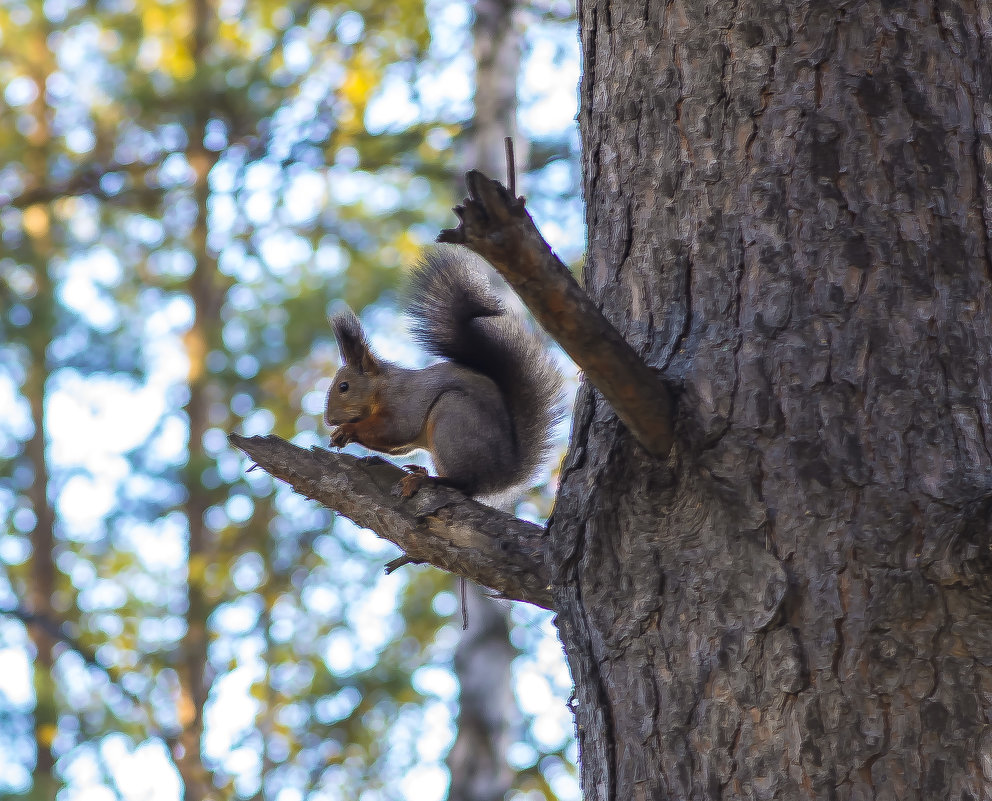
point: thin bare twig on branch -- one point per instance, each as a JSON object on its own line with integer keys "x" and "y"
{"x": 495, "y": 225}
{"x": 438, "y": 525}
{"x": 511, "y": 166}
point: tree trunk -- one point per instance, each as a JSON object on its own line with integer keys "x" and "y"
{"x": 206, "y": 293}
{"x": 39, "y": 224}
{"x": 789, "y": 211}
{"x": 43, "y": 570}
{"x": 487, "y": 710}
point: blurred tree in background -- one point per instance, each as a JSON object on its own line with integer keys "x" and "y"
{"x": 186, "y": 188}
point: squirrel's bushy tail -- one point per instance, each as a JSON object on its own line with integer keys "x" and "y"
{"x": 459, "y": 317}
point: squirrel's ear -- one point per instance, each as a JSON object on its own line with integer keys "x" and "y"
{"x": 354, "y": 348}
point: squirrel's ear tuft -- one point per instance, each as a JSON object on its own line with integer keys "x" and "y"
{"x": 354, "y": 348}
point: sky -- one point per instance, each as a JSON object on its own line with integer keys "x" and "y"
{"x": 93, "y": 423}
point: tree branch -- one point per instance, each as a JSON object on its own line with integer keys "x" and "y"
{"x": 60, "y": 631}
{"x": 437, "y": 525}
{"x": 87, "y": 182}
{"x": 57, "y": 631}
{"x": 495, "y": 225}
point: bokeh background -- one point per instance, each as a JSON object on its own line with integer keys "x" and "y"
{"x": 187, "y": 189}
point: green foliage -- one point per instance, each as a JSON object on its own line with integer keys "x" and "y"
{"x": 182, "y": 200}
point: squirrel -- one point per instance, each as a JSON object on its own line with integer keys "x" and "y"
{"x": 484, "y": 413}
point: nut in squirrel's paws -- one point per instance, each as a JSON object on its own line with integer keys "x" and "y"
{"x": 411, "y": 483}
{"x": 341, "y": 436}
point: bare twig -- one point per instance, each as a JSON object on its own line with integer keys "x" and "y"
{"x": 511, "y": 167}
{"x": 438, "y": 525}
{"x": 495, "y": 225}
{"x": 395, "y": 564}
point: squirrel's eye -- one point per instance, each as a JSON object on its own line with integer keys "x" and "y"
{"x": 343, "y": 386}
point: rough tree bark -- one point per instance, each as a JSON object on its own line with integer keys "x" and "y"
{"x": 790, "y": 219}
{"x": 789, "y": 209}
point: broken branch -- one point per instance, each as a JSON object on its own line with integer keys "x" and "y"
{"x": 495, "y": 225}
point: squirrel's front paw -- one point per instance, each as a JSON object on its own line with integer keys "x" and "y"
{"x": 413, "y": 481}
{"x": 341, "y": 436}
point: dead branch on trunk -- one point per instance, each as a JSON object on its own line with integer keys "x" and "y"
{"x": 496, "y": 226}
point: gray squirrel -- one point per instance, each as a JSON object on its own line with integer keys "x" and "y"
{"x": 484, "y": 413}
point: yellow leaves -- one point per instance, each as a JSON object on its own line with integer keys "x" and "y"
{"x": 154, "y": 20}
{"x": 168, "y": 32}
{"x": 358, "y": 85}
{"x": 179, "y": 64}
{"x": 46, "y": 733}
{"x": 185, "y": 709}
{"x": 408, "y": 247}
{"x": 230, "y": 31}
{"x": 362, "y": 80}
{"x": 36, "y": 221}
{"x": 196, "y": 353}
{"x": 167, "y": 20}
{"x": 197, "y": 569}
